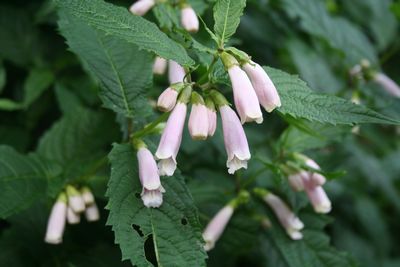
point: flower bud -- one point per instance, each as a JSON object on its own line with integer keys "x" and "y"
{"x": 160, "y": 66}
{"x": 296, "y": 182}
{"x": 216, "y": 226}
{"x": 56, "y": 222}
{"x": 246, "y": 101}
{"x": 198, "y": 119}
{"x": 286, "y": 217}
{"x": 72, "y": 217}
{"x": 235, "y": 140}
{"x": 167, "y": 100}
{"x": 189, "y": 19}
{"x": 387, "y": 84}
{"x": 171, "y": 139}
{"x": 148, "y": 173}
{"x": 87, "y": 195}
{"x": 92, "y": 213}
{"x": 75, "y": 200}
{"x": 317, "y": 178}
{"x": 263, "y": 86}
{"x": 141, "y": 7}
{"x": 317, "y": 196}
{"x": 212, "y": 117}
{"x": 176, "y": 73}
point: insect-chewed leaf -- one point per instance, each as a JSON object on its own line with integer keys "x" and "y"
{"x": 118, "y": 22}
{"x": 173, "y": 229}
{"x": 299, "y": 101}
{"x": 227, "y": 15}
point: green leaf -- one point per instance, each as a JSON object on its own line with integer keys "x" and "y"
{"x": 299, "y": 101}
{"x": 118, "y": 22}
{"x": 227, "y": 15}
{"x": 337, "y": 31}
{"x": 313, "y": 250}
{"x": 22, "y": 181}
{"x": 36, "y": 83}
{"x": 172, "y": 230}
{"x": 9, "y": 105}
{"x": 125, "y": 72}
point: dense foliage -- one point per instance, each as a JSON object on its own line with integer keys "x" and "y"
{"x": 78, "y": 98}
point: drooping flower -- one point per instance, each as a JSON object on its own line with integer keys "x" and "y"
{"x": 152, "y": 190}
{"x": 387, "y": 84}
{"x": 216, "y": 226}
{"x": 141, "y": 7}
{"x": 246, "y": 101}
{"x": 73, "y": 217}
{"x": 87, "y": 195}
{"x": 176, "y": 73}
{"x": 56, "y": 221}
{"x": 235, "y": 140}
{"x": 296, "y": 182}
{"x": 171, "y": 138}
{"x": 317, "y": 178}
{"x": 212, "y": 117}
{"x": 92, "y": 213}
{"x": 189, "y": 19}
{"x": 286, "y": 217}
{"x": 75, "y": 200}
{"x": 317, "y": 196}
{"x": 198, "y": 119}
{"x": 263, "y": 86}
{"x": 167, "y": 100}
{"x": 160, "y": 66}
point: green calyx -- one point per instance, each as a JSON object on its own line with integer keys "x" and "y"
{"x": 72, "y": 191}
{"x": 62, "y": 197}
{"x": 228, "y": 60}
{"x": 210, "y": 103}
{"x": 177, "y": 86}
{"x": 197, "y": 99}
{"x": 85, "y": 189}
{"x": 260, "y": 192}
{"x": 241, "y": 56}
{"x": 241, "y": 199}
{"x": 138, "y": 143}
{"x": 185, "y": 95}
{"x": 219, "y": 99}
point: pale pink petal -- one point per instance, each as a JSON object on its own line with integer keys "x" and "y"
{"x": 189, "y": 19}
{"x": 216, "y": 227}
{"x": 141, "y": 7}
{"x": 198, "y": 122}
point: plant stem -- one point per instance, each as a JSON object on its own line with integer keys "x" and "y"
{"x": 151, "y": 126}
{"x": 205, "y": 76}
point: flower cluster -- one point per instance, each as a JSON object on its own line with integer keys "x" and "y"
{"x": 189, "y": 19}
{"x": 68, "y": 207}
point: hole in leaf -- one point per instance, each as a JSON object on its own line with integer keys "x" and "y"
{"x": 137, "y": 229}
{"x": 184, "y": 221}
{"x": 137, "y": 195}
{"x": 149, "y": 250}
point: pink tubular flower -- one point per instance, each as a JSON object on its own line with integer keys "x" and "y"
{"x": 149, "y": 178}
{"x": 387, "y": 84}
{"x": 72, "y": 217}
{"x": 92, "y": 213}
{"x": 167, "y": 100}
{"x": 235, "y": 140}
{"x": 296, "y": 181}
{"x": 216, "y": 227}
{"x": 198, "y": 120}
{"x": 265, "y": 89}
{"x": 56, "y": 222}
{"x": 317, "y": 178}
{"x": 75, "y": 200}
{"x": 160, "y": 66}
{"x": 141, "y": 7}
{"x": 176, "y": 73}
{"x": 316, "y": 195}
{"x": 171, "y": 140}
{"x": 286, "y": 217}
{"x": 189, "y": 19}
{"x": 212, "y": 121}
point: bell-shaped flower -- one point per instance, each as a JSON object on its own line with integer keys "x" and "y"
{"x": 92, "y": 213}
{"x": 286, "y": 217}
{"x": 141, "y": 7}
{"x": 73, "y": 217}
{"x": 87, "y": 195}
{"x": 235, "y": 140}
{"x": 167, "y": 100}
{"x": 212, "y": 116}
{"x": 171, "y": 137}
{"x": 75, "y": 200}
{"x": 263, "y": 86}
{"x": 160, "y": 66}
{"x": 387, "y": 84}
{"x": 198, "y": 119}
{"x": 246, "y": 101}
{"x": 56, "y": 221}
{"x": 189, "y": 19}
{"x": 176, "y": 73}
{"x": 152, "y": 190}
{"x": 317, "y": 196}
{"x": 216, "y": 226}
